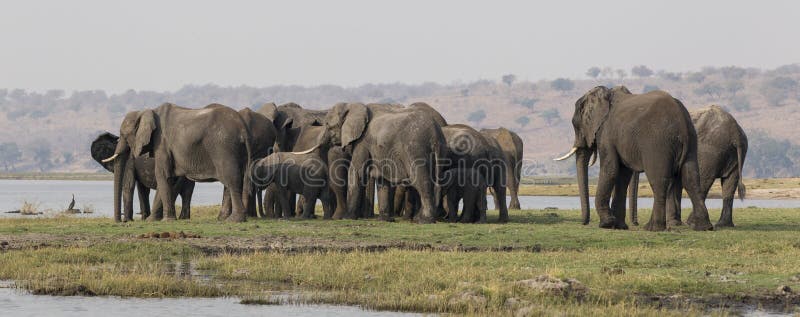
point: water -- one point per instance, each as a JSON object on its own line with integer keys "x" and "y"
{"x": 19, "y": 303}
{"x": 55, "y": 195}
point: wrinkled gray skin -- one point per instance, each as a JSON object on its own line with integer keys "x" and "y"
{"x": 467, "y": 184}
{"x": 468, "y": 148}
{"x": 263, "y": 137}
{"x": 209, "y": 144}
{"x": 721, "y": 151}
{"x": 630, "y": 133}
{"x": 139, "y": 173}
{"x": 511, "y": 146}
{"x": 306, "y": 174}
{"x": 394, "y": 147}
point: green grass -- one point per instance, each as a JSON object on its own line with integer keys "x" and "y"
{"x": 624, "y": 270}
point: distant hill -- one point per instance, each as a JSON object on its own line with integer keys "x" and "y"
{"x": 51, "y": 131}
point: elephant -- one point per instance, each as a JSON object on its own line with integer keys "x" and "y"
{"x": 721, "y": 151}
{"x": 650, "y": 132}
{"x": 394, "y": 146}
{"x": 467, "y": 184}
{"x": 511, "y": 145}
{"x": 301, "y": 172}
{"x": 263, "y": 135}
{"x": 469, "y": 148}
{"x": 208, "y": 144}
{"x": 139, "y": 172}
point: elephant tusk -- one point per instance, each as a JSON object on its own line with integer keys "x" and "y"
{"x": 307, "y": 151}
{"x": 594, "y": 159}
{"x": 110, "y": 158}
{"x": 566, "y": 156}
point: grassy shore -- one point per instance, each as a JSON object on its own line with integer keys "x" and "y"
{"x": 101, "y": 176}
{"x": 486, "y": 269}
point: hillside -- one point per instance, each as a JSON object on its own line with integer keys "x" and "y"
{"x": 52, "y": 130}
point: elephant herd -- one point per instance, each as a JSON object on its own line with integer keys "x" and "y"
{"x": 420, "y": 167}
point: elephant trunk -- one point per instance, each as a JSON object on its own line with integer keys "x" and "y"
{"x": 119, "y": 175}
{"x": 582, "y": 165}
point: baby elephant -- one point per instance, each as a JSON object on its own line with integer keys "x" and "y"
{"x": 304, "y": 173}
{"x": 467, "y": 184}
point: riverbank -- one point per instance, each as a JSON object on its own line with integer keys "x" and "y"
{"x": 543, "y": 262}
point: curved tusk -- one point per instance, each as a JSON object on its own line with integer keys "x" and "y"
{"x": 110, "y": 158}
{"x": 594, "y": 159}
{"x": 307, "y": 151}
{"x": 566, "y": 156}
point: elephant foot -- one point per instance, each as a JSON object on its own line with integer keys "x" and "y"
{"x": 699, "y": 224}
{"x": 514, "y": 205}
{"x": 609, "y": 223}
{"x": 234, "y": 217}
{"x": 386, "y": 218}
{"x": 153, "y": 218}
{"x": 621, "y": 226}
{"x": 635, "y": 222}
{"x": 169, "y": 218}
{"x": 502, "y": 219}
{"x": 655, "y": 226}
{"x": 724, "y": 224}
{"x": 312, "y": 216}
{"x": 424, "y": 220}
{"x": 674, "y": 223}
{"x": 481, "y": 220}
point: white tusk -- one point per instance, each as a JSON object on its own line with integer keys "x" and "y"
{"x": 110, "y": 158}
{"x": 307, "y": 151}
{"x": 566, "y": 156}
{"x": 594, "y": 159}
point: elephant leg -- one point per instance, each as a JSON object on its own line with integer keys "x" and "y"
{"x": 399, "y": 201}
{"x": 144, "y": 200}
{"x": 633, "y": 195}
{"x": 369, "y": 198}
{"x": 661, "y": 186}
{"x": 270, "y": 208}
{"x": 328, "y": 203}
{"x": 300, "y": 206}
{"x": 127, "y": 198}
{"x": 309, "y": 199}
{"x": 187, "y": 189}
{"x": 252, "y": 210}
{"x": 674, "y": 203}
{"x": 157, "y": 212}
{"x": 384, "y": 193}
{"x": 451, "y": 206}
{"x": 729, "y": 186}
{"x": 225, "y": 208}
{"x": 605, "y": 185}
{"x": 292, "y": 199}
{"x": 620, "y": 191}
{"x": 513, "y": 186}
{"x": 337, "y": 176}
{"x": 500, "y": 190}
{"x": 232, "y": 178}
{"x": 481, "y": 206}
{"x": 422, "y": 183}
{"x": 166, "y": 190}
{"x": 355, "y": 188}
{"x": 283, "y": 202}
{"x": 698, "y": 219}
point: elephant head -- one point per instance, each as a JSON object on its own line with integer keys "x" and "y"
{"x": 591, "y": 111}
{"x": 346, "y": 123}
{"x": 103, "y": 147}
{"x": 136, "y": 134}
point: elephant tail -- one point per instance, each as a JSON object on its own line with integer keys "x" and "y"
{"x": 247, "y": 182}
{"x": 438, "y": 155}
{"x": 741, "y": 149}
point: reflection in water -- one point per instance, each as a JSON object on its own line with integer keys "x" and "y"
{"x": 19, "y": 303}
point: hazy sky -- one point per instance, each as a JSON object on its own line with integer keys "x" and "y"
{"x": 162, "y": 45}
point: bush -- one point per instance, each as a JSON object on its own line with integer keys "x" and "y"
{"x": 696, "y": 77}
{"x": 550, "y": 115}
{"x": 562, "y": 84}
{"x": 740, "y": 103}
{"x": 593, "y": 72}
{"x": 476, "y": 116}
{"x": 527, "y": 102}
{"x": 669, "y": 76}
{"x": 649, "y": 88}
{"x": 641, "y": 71}
{"x": 523, "y": 121}
{"x": 712, "y": 89}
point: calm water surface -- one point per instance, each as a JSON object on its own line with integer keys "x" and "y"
{"x": 55, "y": 195}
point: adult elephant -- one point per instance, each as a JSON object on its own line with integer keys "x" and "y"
{"x": 263, "y": 136}
{"x": 650, "y": 132}
{"x": 395, "y": 147}
{"x": 511, "y": 146}
{"x": 208, "y": 144}
{"x": 139, "y": 173}
{"x": 469, "y": 148}
{"x": 721, "y": 150}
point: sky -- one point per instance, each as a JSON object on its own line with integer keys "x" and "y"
{"x": 163, "y": 45}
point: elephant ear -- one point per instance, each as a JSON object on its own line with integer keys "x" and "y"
{"x": 103, "y": 147}
{"x": 269, "y": 110}
{"x": 355, "y": 122}
{"x": 599, "y": 105}
{"x": 144, "y": 131}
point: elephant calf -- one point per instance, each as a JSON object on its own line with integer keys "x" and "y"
{"x": 299, "y": 172}
{"x": 467, "y": 184}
